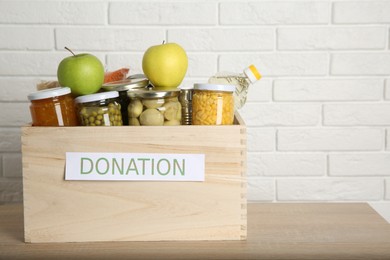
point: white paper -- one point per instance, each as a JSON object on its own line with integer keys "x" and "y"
{"x": 134, "y": 167}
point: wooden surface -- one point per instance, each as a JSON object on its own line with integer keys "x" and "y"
{"x": 56, "y": 210}
{"x": 275, "y": 231}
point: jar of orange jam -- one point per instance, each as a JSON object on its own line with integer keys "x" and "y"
{"x": 53, "y": 107}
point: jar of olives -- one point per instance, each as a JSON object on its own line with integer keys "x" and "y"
{"x": 122, "y": 86}
{"x": 149, "y": 107}
{"x": 213, "y": 104}
{"x": 100, "y": 109}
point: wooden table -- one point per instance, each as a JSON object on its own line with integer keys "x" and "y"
{"x": 275, "y": 231}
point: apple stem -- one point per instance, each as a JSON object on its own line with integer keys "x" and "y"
{"x": 66, "y": 48}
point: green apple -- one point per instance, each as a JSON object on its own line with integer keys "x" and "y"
{"x": 165, "y": 65}
{"x": 82, "y": 73}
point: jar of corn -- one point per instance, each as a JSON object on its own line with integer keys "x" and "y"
{"x": 213, "y": 104}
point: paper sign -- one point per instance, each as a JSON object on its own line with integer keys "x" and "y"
{"x": 134, "y": 167}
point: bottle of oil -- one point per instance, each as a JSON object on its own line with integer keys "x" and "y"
{"x": 240, "y": 80}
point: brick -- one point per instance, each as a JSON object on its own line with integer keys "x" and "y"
{"x": 330, "y": 139}
{"x": 387, "y": 90}
{"x": 357, "y": 114}
{"x": 277, "y": 64}
{"x": 12, "y": 165}
{"x": 111, "y": 39}
{"x": 201, "y": 65}
{"x": 125, "y": 60}
{"x": 260, "y": 91}
{"x": 328, "y": 89}
{"x": 388, "y": 139}
{"x": 30, "y": 63}
{"x": 163, "y": 13}
{"x": 360, "y": 64}
{"x": 231, "y": 39}
{"x": 42, "y": 64}
{"x": 10, "y": 140}
{"x": 361, "y": 12}
{"x": 25, "y": 38}
{"x": 287, "y": 164}
{"x": 359, "y": 164}
{"x": 260, "y": 139}
{"x": 332, "y": 38}
{"x": 268, "y": 114}
{"x": 11, "y": 191}
{"x": 17, "y": 88}
{"x": 387, "y": 195}
{"x": 18, "y": 114}
{"x": 274, "y": 12}
{"x": 260, "y": 189}
{"x": 58, "y": 12}
{"x": 332, "y": 189}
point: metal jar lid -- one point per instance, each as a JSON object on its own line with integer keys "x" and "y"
{"x": 151, "y": 93}
{"x": 126, "y": 84}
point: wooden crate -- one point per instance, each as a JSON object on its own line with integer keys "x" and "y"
{"x": 56, "y": 210}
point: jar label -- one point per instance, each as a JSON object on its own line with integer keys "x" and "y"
{"x": 58, "y": 110}
{"x": 134, "y": 167}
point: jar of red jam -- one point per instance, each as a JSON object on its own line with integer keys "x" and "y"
{"x": 53, "y": 107}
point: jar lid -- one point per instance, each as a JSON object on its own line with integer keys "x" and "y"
{"x": 126, "y": 84}
{"x": 214, "y": 87}
{"x": 252, "y": 73}
{"x": 151, "y": 93}
{"x": 97, "y": 97}
{"x": 48, "y": 93}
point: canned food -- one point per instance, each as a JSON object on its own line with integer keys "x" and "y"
{"x": 52, "y": 107}
{"x": 150, "y": 107}
{"x": 213, "y": 104}
{"x": 100, "y": 109}
{"x": 122, "y": 86}
{"x": 185, "y": 99}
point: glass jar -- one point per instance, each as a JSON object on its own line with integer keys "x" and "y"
{"x": 100, "y": 109}
{"x": 122, "y": 86}
{"x": 154, "y": 108}
{"x": 213, "y": 104}
{"x": 52, "y": 107}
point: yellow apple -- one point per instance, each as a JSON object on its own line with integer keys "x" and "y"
{"x": 165, "y": 65}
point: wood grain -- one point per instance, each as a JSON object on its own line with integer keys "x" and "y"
{"x": 56, "y": 210}
{"x": 275, "y": 231}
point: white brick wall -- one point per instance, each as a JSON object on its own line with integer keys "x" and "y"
{"x": 332, "y": 38}
{"x": 359, "y": 164}
{"x": 328, "y": 89}
{"x": 374, "y": 64}
{"x": 318, "y": 123}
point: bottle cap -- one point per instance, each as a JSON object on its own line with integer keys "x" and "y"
{"x": 252, "y": 73}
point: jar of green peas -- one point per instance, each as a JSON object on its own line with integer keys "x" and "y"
{"x": 100, "y": 109}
